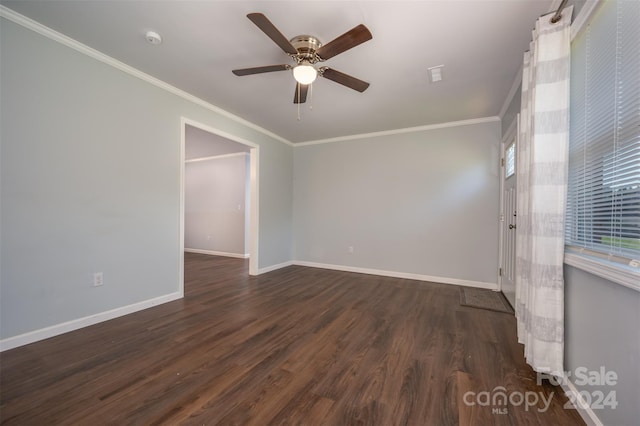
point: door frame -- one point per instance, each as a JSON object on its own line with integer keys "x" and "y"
{"x": 507, "y": 138}
{"x": 254, "y": 187}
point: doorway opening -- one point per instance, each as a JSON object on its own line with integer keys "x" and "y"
{"x": 201, "y": 145}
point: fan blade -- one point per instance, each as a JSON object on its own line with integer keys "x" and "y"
{"x": 346, "y": 41}
{"x": 345, "y": 79}
{"x": 302, "y": 89}
{"x": 258, "y": 70}
{"x": 272, "y": 32}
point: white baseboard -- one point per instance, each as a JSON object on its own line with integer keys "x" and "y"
{"x": 585, "y": 411}
{"x": 395, "y": 274}
{"x": 274, "y": 267}
{"x": 217, "y": 253}
{"x": 55, "y": 330}
{"x": 65, "y": 327}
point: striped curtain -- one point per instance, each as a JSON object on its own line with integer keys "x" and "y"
{"x": 542, "y": 161}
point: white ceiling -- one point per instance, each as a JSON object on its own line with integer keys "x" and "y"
{"x": 480, "y": 43}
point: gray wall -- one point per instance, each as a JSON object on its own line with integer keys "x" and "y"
{"x": 215, "y": 204}
{"x": 423, "y": 203}
{"x": 90, "y": 182}
{"x": 602, "y": 321}
{"x": 512, "y": 110}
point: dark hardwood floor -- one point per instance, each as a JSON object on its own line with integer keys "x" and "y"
{"x": 294, "y": 346}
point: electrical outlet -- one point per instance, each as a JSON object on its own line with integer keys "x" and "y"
{"x": 350, "y": 249}
{"x": 98, "y": 279}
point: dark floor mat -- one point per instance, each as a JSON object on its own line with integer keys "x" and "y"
{"x": 484, "y": 299}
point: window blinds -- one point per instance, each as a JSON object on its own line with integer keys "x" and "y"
{"x": 603, "y": 200}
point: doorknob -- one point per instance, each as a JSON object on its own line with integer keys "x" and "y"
{"x": 512, "y": 227}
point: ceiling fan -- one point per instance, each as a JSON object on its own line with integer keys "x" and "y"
{"x": 307, "y": 51}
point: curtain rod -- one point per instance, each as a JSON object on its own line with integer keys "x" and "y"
{"x": 556, "y": 17}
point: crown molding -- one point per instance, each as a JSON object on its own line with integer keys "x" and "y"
{"x": 67, "y": 41}
{"x": 400, "y": 131}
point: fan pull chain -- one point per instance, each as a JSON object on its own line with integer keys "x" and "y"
{"x": 311, "y": 96}
{"x": 298, "y": 88}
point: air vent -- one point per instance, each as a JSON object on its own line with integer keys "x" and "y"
{"x": 435, "y": 73}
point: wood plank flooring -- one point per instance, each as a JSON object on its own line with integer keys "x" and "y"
{"x": 294, "y": 346}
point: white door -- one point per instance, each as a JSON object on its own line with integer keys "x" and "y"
{"x": 508, "y": 220}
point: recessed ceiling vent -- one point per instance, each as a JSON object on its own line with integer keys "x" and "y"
{"x": 435, "y": 73}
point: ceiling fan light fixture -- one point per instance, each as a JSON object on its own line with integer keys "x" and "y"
{"x": 306, "y": 50}
{"x": 305, "y": 73}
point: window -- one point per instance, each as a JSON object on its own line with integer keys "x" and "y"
{"x": 603, "y": 200}
{"x": 510, "y": 160}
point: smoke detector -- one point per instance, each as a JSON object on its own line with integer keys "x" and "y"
{"x": 153, "y": 37}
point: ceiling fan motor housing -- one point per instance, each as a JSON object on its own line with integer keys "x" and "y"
{"x": 306, "y": 45}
